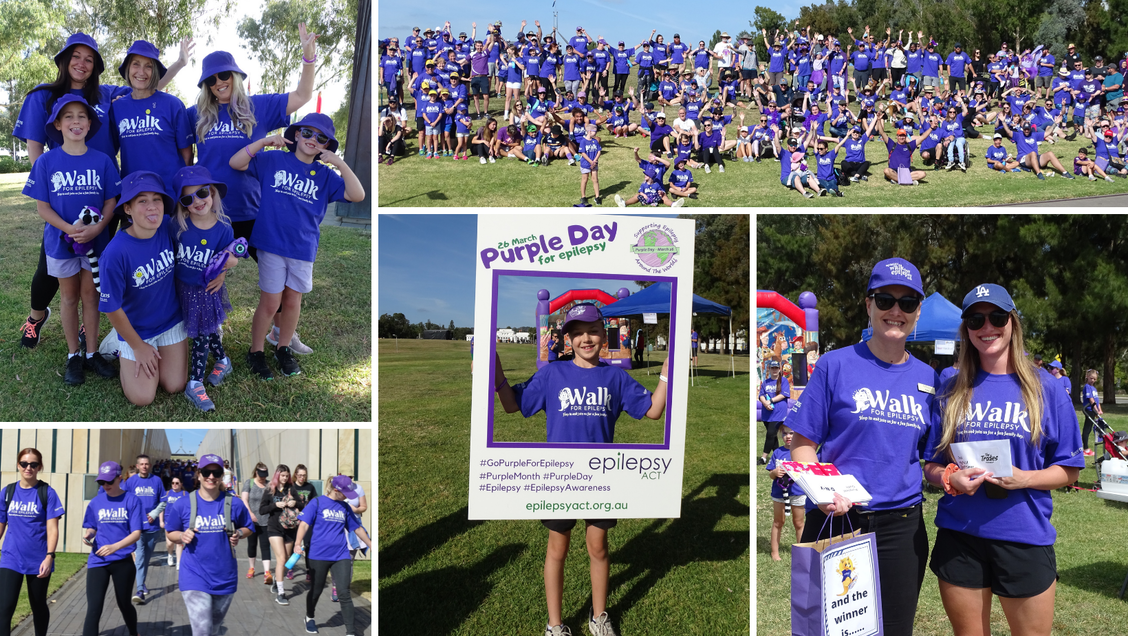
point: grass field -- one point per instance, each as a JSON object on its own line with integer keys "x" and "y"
{"x": 66, "y": 566}
{"x": 684, "y": 576}
{"x": 419, "y": 182}
{"x": 1091, "y": 561}
{"x": 336, "y": 380}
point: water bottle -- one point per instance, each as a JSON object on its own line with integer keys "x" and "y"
{"x": 292, "y": 561}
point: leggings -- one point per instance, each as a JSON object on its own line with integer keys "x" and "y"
{"x": 36, "y": 593}
{"x": 43, "y": 285}
{"x": 711, "y": 155}
{"x": 771, "y": 442}
{"x": 243, "y": 229}
{"x": 398, "y": 147}
{"x": 481, "y": 150}
{"x": 206, "y": 611}
{"x": 258, "y": 540}
{"x": 620, "y": 81}
{"x": 851, "y": 168}
{"x": 201, "y": 345}
{"x": 342, "y": 579}
{"x": 1090, "y": 417}
{"x": 122, "y": 572}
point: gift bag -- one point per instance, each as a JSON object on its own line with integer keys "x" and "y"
{"x": 835, "y": 589}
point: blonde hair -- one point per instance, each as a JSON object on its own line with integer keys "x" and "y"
{"x": 957, "y": 401}
{"x": 154, "y": 77}
{"x": 216, "y": 207}
{"x": 240, "y": 110}
{"x": 1091, "y": 373}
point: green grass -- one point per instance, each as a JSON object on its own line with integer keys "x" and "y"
{"x": 419, "y": 182}
{"x": 335, "y": 384}
{"x": 1092, "y": 533}
{"x": 66, "y": 566}
{"x": 362, "y": 579}
{"x": 685, "y": 576}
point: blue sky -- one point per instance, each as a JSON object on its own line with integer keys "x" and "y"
{"x": 191, "y": 438}
{"x": 615, "y": 20}
{"x": 426, "y": 268}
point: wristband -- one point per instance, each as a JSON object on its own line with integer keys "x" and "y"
{"x": 504, "y": 381}
{"x": 308, "y": 61}
{"x": 247, "y": 149}
{"x": 947, "y": 477}
{"x": 663, "y": 378}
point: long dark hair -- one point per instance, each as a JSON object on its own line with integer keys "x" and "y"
{"x": 91, "y": 92}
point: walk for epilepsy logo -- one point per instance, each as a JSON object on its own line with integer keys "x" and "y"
{"x": 209, "y": 523}
{"x": 140, "y": 125}
{"x": 539, "y": 250}
{"x": 76, "y": 181}
{"x": 154, "y": 270}
{"x": 144, "y": 491}
{"x": 897, "y": 269}
{"x": 655, "y": 248}
{"x": 296, "y": 185}
{"x": 898, "y": 408}
{"x": 583, "y": 402}
{"x": 335, "y": 516}
{"x": 113, "y": 514}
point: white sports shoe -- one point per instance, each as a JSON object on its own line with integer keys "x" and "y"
{"x": 679, "y": 203}
{"x": 620, "y": 202}
{"x": 600, "y": 625}
{"x": 296, "y": 345}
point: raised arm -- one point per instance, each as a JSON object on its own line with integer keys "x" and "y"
{"x": 187, "y": 45}
{"x": 304, "y": 92}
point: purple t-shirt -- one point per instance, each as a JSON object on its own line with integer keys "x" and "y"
{"x": 873, "y": 421}
{"x": 208, "y": 564}
{"x": 115, "y": 518}
{"x": 997, "y": 411}
{"x": 68, "y": 183}
{"x": 137, "y": 276}
{"x": 149, "y": 491}
{"x": 195, "y": 249}
{"x": 330, "y": 521}
{"x": 900, "y": 155}
{"x": 25, "y": 541}
{"x": 582, "y": 405}
{"x": 768, "y": 389}
{"x": 295, "y": 197}
{"x": 782, "y": 454}
{"x": 151, "y": 132}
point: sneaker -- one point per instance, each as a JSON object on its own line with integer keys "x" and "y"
{"x": 139, "y": 597}
{"x": 333, "y": 596}
{"x": 808, "y": 195}
{"x": 864, "y": 178}
{"x": 838, "y": 193}
{"x": 1092, "y": 177}
{"x": 854, "y": 178}
{"x": 915, "y": 182}
{"x": 281, "y": 599}
{"x": 1041, "y": 176}
{"x": 311, "y": 626}
{"x": 221, "y": 370}
{"x": 256, "y": 360}
{"x": 1108, "y": 178}
{"x": 600, "y": 625}
{"x": 693, "y": 195}
{"x": 100, "y": 365}
{"x": 721, "y": 169}
{"x": 268, "y": 578}
{"x": 620, "y": 202}
{"x": 1016, "y": 170}
{"x": 170, "y": 559}
{"x": 75, "y": 373}
{"x": 951, "y": 167}
{"x": 422, "y": 152}
{"x": 32, "y": 329}
{"x": 198, "y": 397}
{"x": 963, "y": 167}
{"x": 285, "y": 359}
{"x": 708, "y": 170}
{"x": 1069, "y": 176}
{"x": 296, "y": 344}
{"x": 482, "y": 160}
{"x": 599, "y": 200}
{"x": 250, "y": 573}
{"x": 492, "y": 160}
{"x": 559, "y": 630}
{"x": 1088, "y": 453}
{"x": 822, "y": 193}
{"x": 571, "y": 161}
{"x": 679, "y": 203}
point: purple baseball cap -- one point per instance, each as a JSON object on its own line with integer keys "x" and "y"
{"x": 622, "y": 43}
{"x": 55, "y": 135}
{"x": 208, "y": 460}
{"x": 80, "y": 38}
{"x": 584, "y": 312}
{"x": 144, "y": 49}
{"x": 344, "y": 484}
{"x": 895, "y": 271}
{"x": 987, "y": 293}
{"x": 108, "y": 471}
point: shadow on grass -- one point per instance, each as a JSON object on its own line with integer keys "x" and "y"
{"x": 718, "y": 373}
{"x": 656, "y": 551}
{"x": 433, "y": 195}
{"x": 419, "y": 543}
{"x": 438, "y": 601}
{"x": 1104, "y": 577}
{"x": 613, "y": 188}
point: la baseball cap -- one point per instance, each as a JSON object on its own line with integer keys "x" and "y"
{"x": 583, "y": 312}
{"x": 895, "y": 271}
{"x": 988, "y": 293}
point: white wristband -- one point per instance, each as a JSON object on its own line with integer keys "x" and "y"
{"x": 663, "y": 378}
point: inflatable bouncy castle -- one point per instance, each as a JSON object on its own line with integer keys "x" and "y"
{"x": 550, "y": 323}
{"x": 789, "y": 333}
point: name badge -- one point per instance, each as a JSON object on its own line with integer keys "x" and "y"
{"x": 924, "y": 388}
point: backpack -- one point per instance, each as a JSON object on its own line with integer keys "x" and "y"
{"x": 10, "y": 493}
{"x": 228, "y": 523}
{"x": 289, "y": 517}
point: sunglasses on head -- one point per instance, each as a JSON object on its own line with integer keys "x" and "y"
{"x": 211, "y": 472}
{"x": 885, "y": 302}
{"x": 222, "y": 75}
{"x": 31, "y": 465}
{"x": 998, "y": 317}
{"x": 310, "y": 133}
{"x": 201, "y": 194}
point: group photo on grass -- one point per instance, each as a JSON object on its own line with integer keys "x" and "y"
{"x": 560, "y": 576}
{"x": 876, "y": 104}
{"x": 146, "y": 208}
{"x": 961, "y": 375}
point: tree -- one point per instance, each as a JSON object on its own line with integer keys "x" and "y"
{"x": 274, "y": 41}
{"x": 1062, "y": 17}
{"x": 390, "y": 325}
{"x": 117, "y": 23}
{"x": 451, "y": 327}
{"x": 769, "y": 19}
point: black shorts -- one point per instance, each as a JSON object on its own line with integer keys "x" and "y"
{"x": 747, "y": 73}
{"x": 1011, "y": 569}
{"x": 420, "y": 124}
{"x": 879, "y": 73}
{"x": 566, "y": 525}
{"x": 479, "y": 85}
{"x": 288, "y": 536}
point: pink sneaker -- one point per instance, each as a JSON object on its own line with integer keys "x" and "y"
{"x": 1088, "y": 453}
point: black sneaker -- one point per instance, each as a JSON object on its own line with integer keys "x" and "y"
{"x": 285, "y": 359}
{"x": 693, "y": 195}
{"x": 75, "y": 375}
{"x": 256, "y": 360}
{"x": 599, "y": 200}
{"x": 101, "y": 366}
{"x": 32, "y": 329}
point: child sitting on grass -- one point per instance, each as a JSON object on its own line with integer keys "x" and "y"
{"x": 578, "y": 422}
{"x": 1083, "y": 165}
{"x": 784, "y": 491}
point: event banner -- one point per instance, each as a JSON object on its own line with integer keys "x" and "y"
{"x": 553, "y": 436}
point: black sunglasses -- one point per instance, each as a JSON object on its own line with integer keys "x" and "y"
{"x": 309, "y": 133}
{"x": 222, "y": 75}
{"x": 31, "y": 465}
{"x": 211, "y": 472}
{"x": 885, "y": 302}
{"x": 999, "y": 319}
{"x": 202, "y": 193}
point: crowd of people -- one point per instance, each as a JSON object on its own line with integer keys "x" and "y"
{"x": 203, "y": 518}
{"x": 994, "y": 535}
{"x": 149, "y": 243}
{"x": 815, "y": 95}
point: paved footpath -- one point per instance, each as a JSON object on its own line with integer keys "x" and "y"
{"x": 253, "y": 612}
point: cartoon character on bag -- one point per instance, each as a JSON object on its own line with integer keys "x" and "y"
{"x": 846, "y": 569}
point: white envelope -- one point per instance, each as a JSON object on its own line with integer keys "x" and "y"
{"x": 993, "y": 455}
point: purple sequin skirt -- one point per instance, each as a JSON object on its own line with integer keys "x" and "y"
{"x": 203, "y": 312}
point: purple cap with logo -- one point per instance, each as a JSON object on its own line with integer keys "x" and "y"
{"x": 108, "y": 471}
{"x": 895, "y": 271}
{"x": 344, "y": 484}
{"x": 584, "y": 312}
{"x": 987, "y": 293}
{"x": 208, "y": 460}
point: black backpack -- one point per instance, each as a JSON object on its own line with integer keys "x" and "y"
{"x": 10, "y": 493}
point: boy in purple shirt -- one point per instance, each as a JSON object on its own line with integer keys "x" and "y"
{"x": 901, "y": 153}
{"x": 577, "y": 419}
{"x": 590, "y": 149}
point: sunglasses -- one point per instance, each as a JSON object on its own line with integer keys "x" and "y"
{"x": 310, "y": 133}
{"x": 201, "y": 194}
{"x": 999, "y": 319}
{"x": 222, "y": 75}
{"x": 885, "y": 302}
{"x": 31, "y": 465}
{"x": 211, "y": 472}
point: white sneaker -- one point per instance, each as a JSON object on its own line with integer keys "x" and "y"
{"x": 707, "y": 170}
{"x": 482, "y": 160}
{"x": 1108, "y": 178}
{"x": 679, "y": 203}
{"x": 600, "y": 625}
{"x": 170, "y": 559}
{"x": 721, "y": 168}
{"x": 571, "y": 161}
{"x": 854, "y": 179}
{"x": 296, "y": 345}
{"x": 620, "y": 202}
{"x": 915, "y": 182}
{"x": 559, "y": 630}
{"x": 492, "y": 160}
{"x": 1092, "y": 177}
